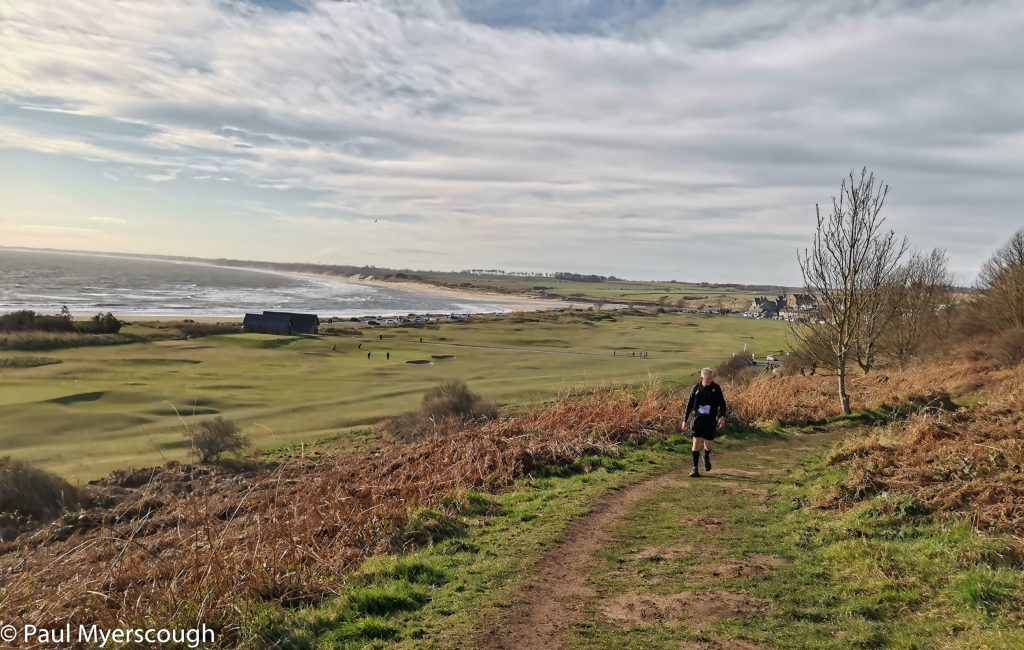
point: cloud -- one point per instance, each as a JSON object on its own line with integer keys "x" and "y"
{"x": 162, "y": 177}
{"x": 588, "y": 135}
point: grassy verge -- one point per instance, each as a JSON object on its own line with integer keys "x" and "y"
{"x": 883, "y": 575}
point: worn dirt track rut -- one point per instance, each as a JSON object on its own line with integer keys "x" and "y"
{"x": 543, "y": 613}
{"x": 551, "y": 598}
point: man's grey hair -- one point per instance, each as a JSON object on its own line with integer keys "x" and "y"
{"x": 707, "y": 372}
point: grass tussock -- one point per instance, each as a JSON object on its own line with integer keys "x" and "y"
{"x": 286, "y": 536}
{"x": 32, "y": 492}
{"x": 969, "y": 461}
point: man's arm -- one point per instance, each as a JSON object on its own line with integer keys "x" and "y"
{"x": 721, "y": 407}
{"x": 689, "y": 406}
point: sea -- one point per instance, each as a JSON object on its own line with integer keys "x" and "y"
{"x": 87, "y": 284}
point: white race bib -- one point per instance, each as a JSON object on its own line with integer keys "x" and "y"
{"x": 704, "y": 409}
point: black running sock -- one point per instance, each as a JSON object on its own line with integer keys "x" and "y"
{"x": 696, "y": 459}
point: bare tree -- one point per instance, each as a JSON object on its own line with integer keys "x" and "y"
{"x": 848, "y": 268}
{"x": 879, "y": 297}
{"x": 1002, "y": 284}
{"x": 922, "y": 291}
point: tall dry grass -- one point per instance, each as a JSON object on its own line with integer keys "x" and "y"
{"x": 799, "y": 400}
{"x": 969, "y": 461}
{"x": 199, "y": 553}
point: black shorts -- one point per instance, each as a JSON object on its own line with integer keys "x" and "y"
{"x": 704, "y": 427}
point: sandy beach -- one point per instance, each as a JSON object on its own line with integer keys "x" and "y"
{"x": 507, "y": 302}
{"x": 501, "y": 302}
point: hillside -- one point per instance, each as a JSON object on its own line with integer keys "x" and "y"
{"x": 332, "y": 551}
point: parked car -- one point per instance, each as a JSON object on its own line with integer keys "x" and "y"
{"x": 373, "y": 323}
{"x": 420, "y": 320}
{"x": 356, "y": 319}
{"x": 771, "y": 357}
{"x": 391, "y": 322}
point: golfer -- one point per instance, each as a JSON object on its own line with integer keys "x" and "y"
{"x": 707, "y": 404}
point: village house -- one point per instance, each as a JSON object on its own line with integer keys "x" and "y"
{"x": 765, "y": 307}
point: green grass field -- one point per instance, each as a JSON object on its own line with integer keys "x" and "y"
{"x": 103, "y": 408}
{"x": 690, "y": 294}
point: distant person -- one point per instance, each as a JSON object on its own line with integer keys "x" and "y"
{"x": 359, "y": 347}
{"x": 389, "y": 356}
{"x": 707, "y": 404}
{"x": 368, "y": 354}
{"x": 614, "y": 352}
{"x": 421, "y": 339}
{"x": 634, "y": 353}
{"x": 334, "y": 348}
{"x": 380, "y": 337}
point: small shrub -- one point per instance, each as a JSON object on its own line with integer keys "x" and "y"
{"x": 739, "y": 368}
{"x": 33, "y": 492}
{"x": 1008, "y": 347}
{"x": 101, "y": 324}
{"x": 455, "y": 399}
{"x": 213, "y": 438}
{"x": 444, "y": 407}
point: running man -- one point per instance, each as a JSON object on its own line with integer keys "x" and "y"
{"x": 707, "y": 403}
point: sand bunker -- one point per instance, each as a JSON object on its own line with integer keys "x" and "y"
{"x": 420, "y": 362}
{"x": 442, "y": 357}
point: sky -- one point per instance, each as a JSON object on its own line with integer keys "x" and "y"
{"x": 649, "y": 139}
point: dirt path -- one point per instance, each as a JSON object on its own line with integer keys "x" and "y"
{"x": 553, "y": 597}
{"x": 544, "y": 613}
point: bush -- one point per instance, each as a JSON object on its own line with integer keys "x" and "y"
{"x": 101, "y": 324}
{"x": 33, "y": 492}
{"x": 454, "y": 399}
{"x": 739, "y": 368}
{"x": 27, "y": 321}
{"x": 1008, "y": 347}
{"x": 213, "y": 438}
{"x": 445, "y": 406}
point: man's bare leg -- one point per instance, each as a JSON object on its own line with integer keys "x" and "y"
{"x": 696, "y": 454}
